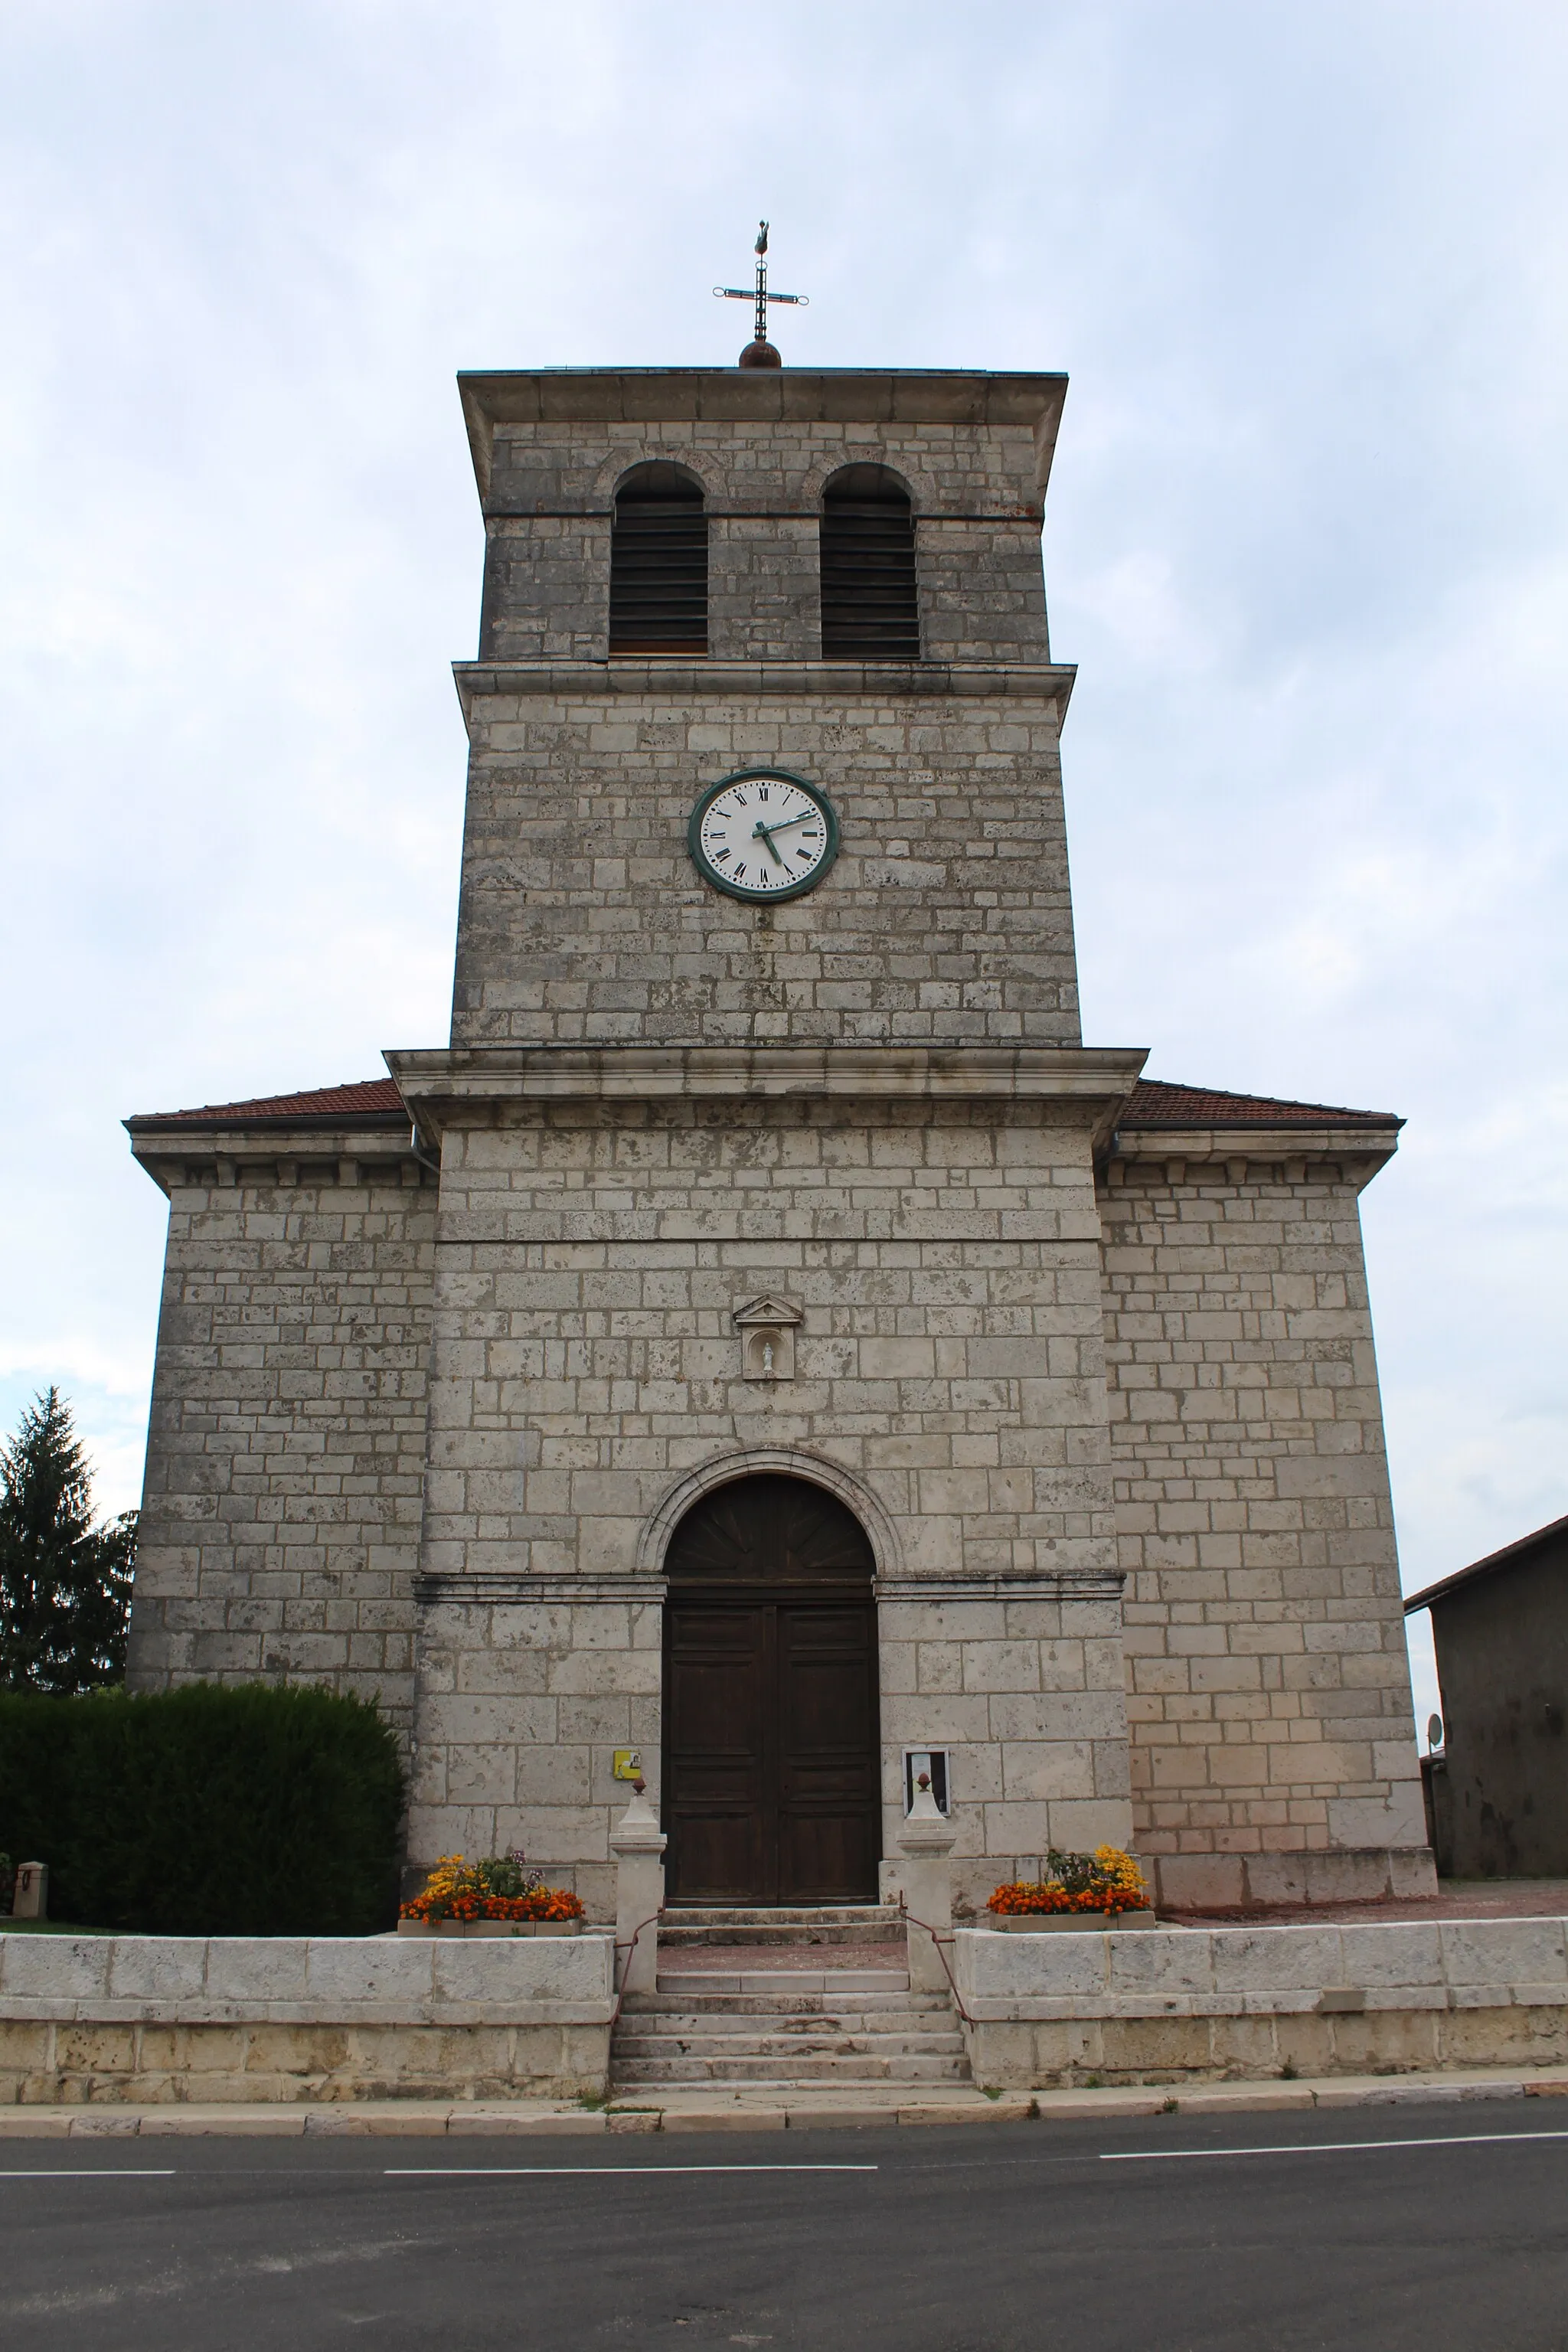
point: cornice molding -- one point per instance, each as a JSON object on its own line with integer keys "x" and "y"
{"x": 1363, "y": 1149}
{"x": 1063, "y": 1584}
{"x": 499, "y": 1588}
{"x": 658, "y": 681}
{"x": 448, "y": 1086}
{"x": 761, "y": 396}
{"x": 162, "y": 1145}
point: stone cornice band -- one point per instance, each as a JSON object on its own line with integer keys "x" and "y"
{"x": 443, "y": 1087}
{"x": 499, "y": 1588}
{"x": 662, "y": 681}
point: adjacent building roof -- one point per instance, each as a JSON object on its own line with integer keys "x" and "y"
{"x": 1511, "y": 1555}
{"x": 1151, "y": 1103}
{"x": 355, "y": 1098}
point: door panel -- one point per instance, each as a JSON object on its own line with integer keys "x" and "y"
{"x": 829, "y": 1821}
{"x": 716, "y": 1681}
{"x": 771, "y": 1728}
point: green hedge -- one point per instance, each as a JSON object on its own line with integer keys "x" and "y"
{"x": 206, "y": 1811}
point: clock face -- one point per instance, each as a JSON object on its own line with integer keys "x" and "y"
{"x": 762, "y": 835}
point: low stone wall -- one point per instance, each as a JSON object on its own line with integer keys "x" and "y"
{"x": 1244, "y": 1881}
{"x": 1183, "y": 2004}
{"x": 154, "y": 2018}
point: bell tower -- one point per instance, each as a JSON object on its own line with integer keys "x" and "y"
{"x": 765, "y": 999}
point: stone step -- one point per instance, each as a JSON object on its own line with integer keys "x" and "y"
{"x": 767, "y": 1934}
{"x": 784, "y": 1984}
{"x": 860, "y": 2067}
{"x": 717, "y": 2012}
{"x": 774, "y": 1990}
{"x": 709, "y": 2046}
{"x": 801, "y": 1914}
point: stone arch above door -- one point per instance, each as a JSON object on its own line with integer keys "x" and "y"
{"x": 882, "y": 1531}
{"x": 768, "y": 1527}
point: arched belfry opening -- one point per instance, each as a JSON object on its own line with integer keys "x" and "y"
{"x": 659, "y": 563}
{"x": 771, "y": 1740}
{"x": 870, "y": 607}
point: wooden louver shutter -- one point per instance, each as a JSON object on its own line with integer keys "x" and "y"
{"x": 658, "y": 564}
{"x": 870, "y": 608}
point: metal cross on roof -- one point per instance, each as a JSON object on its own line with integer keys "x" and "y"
{"x": 760, "y": 295}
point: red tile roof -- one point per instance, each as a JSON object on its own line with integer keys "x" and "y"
{"x": 1155, "y": 1104}
{"x": 364, "y": 1098}
{"x": 1152, "y": 1104}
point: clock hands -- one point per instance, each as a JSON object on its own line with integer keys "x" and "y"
{"x": 760, "y": 832}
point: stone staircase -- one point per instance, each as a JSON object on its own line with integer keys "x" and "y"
{"x": 784, "y": 2000}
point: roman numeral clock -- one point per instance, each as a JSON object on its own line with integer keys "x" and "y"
{"x": 762, "y": 835}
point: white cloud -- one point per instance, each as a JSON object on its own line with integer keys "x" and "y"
{"x": 1305, "y": 536}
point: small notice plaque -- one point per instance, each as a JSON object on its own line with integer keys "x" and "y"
{"x": 627, "y": 1764}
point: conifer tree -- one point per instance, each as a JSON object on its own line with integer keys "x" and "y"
{"x": 65, "y": 1585}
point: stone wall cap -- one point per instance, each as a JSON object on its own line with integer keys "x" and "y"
{"x": 619, "y": 395}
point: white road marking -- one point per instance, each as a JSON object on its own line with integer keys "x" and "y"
{"x": 1324, "y": 2147}
{"x": 566, "y": 2171}
{"x": 101, "y": 2172}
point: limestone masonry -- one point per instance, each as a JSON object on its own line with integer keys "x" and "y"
{"x": 452, "y": 1404}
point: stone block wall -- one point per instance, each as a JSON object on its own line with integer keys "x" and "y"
{"x": 587, "y": 1385}
{"x": 106, "y": 2020}
{"x": 1029, "y": 1698}
{"x": 1046, "y": 2011}
{"x": 976, "y": 482}
{"x": 522, "y": 1708}
{"x": 286, "y": 1451}
{"x": 1268, "y": 1690}
{"x": 764, "y": 587}
{"x": 946, "y": 921}
{"x": 547, "y": 588}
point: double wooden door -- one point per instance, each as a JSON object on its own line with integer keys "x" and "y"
{"x": 771, "y": 1737}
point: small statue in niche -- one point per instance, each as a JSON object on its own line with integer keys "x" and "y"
{"x": 767, "y": 1328}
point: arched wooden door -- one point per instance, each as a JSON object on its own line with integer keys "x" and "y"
{"x": 771, "y": 1748}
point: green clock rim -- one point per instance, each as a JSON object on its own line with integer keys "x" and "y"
{"x": 791, "y": 890}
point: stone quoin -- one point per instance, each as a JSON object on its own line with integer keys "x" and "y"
{"x": 765, "y": 1336}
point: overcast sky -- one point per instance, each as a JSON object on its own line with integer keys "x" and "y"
{"x": 1305, "y": 267}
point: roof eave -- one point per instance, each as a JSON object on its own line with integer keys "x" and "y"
{"x": 621, "y": 395}
{"x": 1512, "y": 1555}
{"x": 159, "y": 1145}
{"x": 1369, "y": 1147}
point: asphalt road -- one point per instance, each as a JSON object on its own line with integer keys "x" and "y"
{"x": 1433, "y": 2229}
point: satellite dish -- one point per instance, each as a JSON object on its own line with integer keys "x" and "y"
{"x": 1433, "y": 1731}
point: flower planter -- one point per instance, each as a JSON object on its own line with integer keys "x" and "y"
{"x": 1066, "y": 1923}
{"x": 489, "y": 1927}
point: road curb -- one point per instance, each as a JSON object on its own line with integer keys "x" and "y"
{"x": 437, "y": 2119}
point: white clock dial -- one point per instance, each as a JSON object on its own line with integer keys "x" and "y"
{"x": 763, "y": 835}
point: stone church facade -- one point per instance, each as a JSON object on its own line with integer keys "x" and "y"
{"x": 766, "y": 1337}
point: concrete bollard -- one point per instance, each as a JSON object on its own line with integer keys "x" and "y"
{"x": 637, "y": 1843}
{"x": 926, "y": 1843}
{"x": 30, "y": 1895}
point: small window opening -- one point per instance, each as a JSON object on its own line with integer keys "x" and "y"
{"x": 870, "y": 608}
{"x": 658, "y": 564}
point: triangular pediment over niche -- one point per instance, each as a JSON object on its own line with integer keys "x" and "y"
{"x": 769, "y": 1309}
